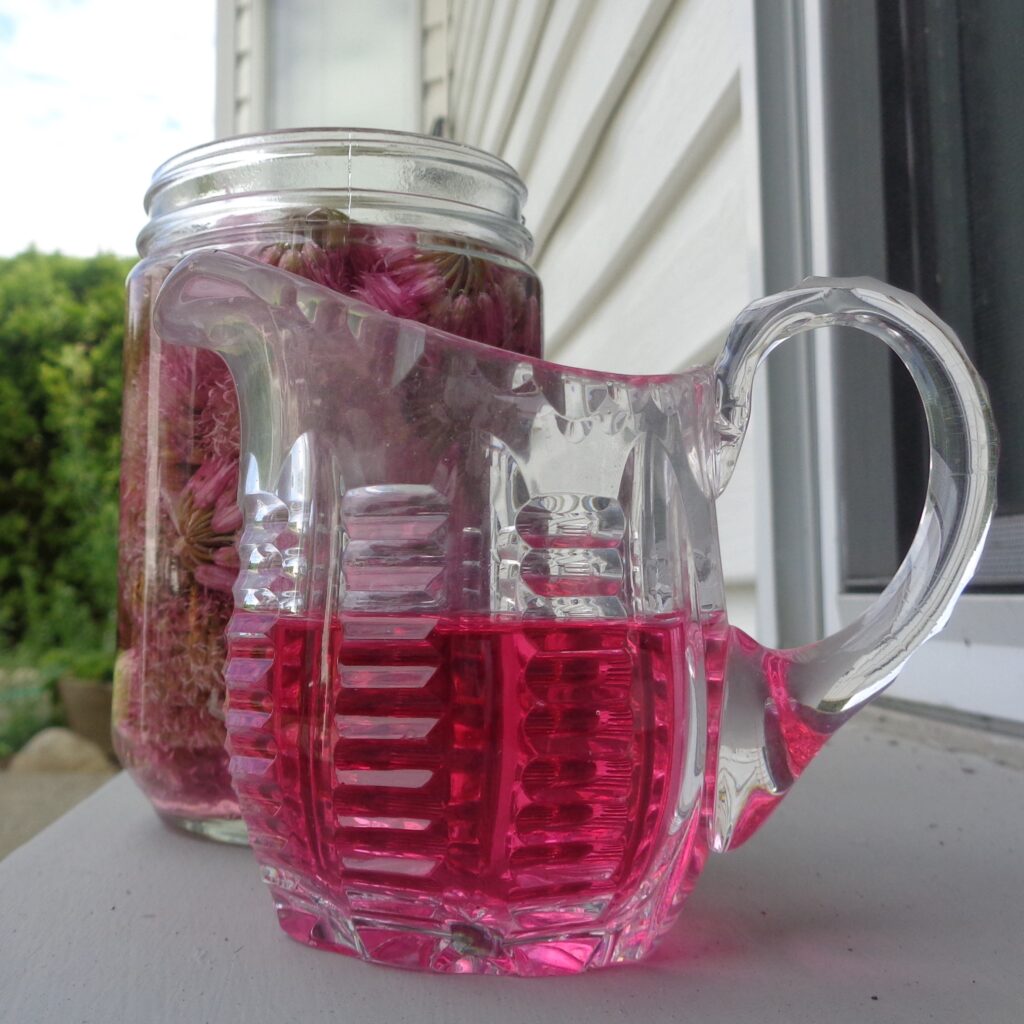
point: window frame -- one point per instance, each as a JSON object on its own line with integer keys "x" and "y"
{"x": 816, "y": 182}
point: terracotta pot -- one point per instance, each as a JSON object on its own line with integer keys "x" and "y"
{"x": 87, "y": 704}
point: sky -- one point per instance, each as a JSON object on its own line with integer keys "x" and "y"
{"x": 94, "y": 94}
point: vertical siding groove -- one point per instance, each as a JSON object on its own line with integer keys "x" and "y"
{"x": 589, "y": 294}
{"x": 464, "y": 17}
{"x": 551, "y": 65}
{"x": 602, "y": 112}
{"x": 523, "y": 42}
{"x": 494, "y": 54}
{"x": 458, "y": 22}
{"x": 477, "y": 34}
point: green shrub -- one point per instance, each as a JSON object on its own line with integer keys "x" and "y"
{"x": 61, "y": 335}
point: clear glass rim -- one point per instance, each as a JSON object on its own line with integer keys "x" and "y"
{"x": 216, "y": 221}
{"x": 227, "y": 151}
{"x": 433, "y": 172}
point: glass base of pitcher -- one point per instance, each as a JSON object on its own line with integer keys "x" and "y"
{"x": 459, "y": 947}
{"x": 231, "y": 831}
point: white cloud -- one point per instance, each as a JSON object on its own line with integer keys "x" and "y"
{"x": 94, "y": 94}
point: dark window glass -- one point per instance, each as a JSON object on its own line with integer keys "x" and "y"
{"x": 952, "y": 101}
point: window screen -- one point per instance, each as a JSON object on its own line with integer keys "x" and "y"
{"x": 952, "y": 82}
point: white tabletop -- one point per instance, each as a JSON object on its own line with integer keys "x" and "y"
{"x": 889, "y": 887}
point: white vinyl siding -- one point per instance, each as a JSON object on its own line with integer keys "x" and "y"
{"x": 624, "y": 120}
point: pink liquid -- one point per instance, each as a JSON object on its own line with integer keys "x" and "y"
{"x": 472, "y": 778}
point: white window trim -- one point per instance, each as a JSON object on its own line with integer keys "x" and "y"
{"x": 245, "y": 71}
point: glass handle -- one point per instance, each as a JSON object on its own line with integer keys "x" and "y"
{"x": 779, "y": 707}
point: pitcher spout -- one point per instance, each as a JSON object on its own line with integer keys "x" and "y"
{"x": 766, "y": 735}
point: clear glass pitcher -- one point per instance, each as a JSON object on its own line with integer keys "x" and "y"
{"x": 485, "y": 710}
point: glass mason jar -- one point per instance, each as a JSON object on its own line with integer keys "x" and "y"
{"x": 420, "y": 227}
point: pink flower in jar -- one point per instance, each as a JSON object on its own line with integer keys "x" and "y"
{"x": 206, "y": 518}
{"x": 216, "y": 403}
{"x": 216, "y": 577}
{"x": 214, "y": 478}
{"x": 406, "y": 293}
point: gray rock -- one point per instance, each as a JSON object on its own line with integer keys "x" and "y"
{"x": 59, "y": 750}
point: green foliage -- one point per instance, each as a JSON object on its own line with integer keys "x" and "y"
{"x": 27, "y": 704}
{"x": 61, "y": 335}
{"x": 93, "y": 666}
